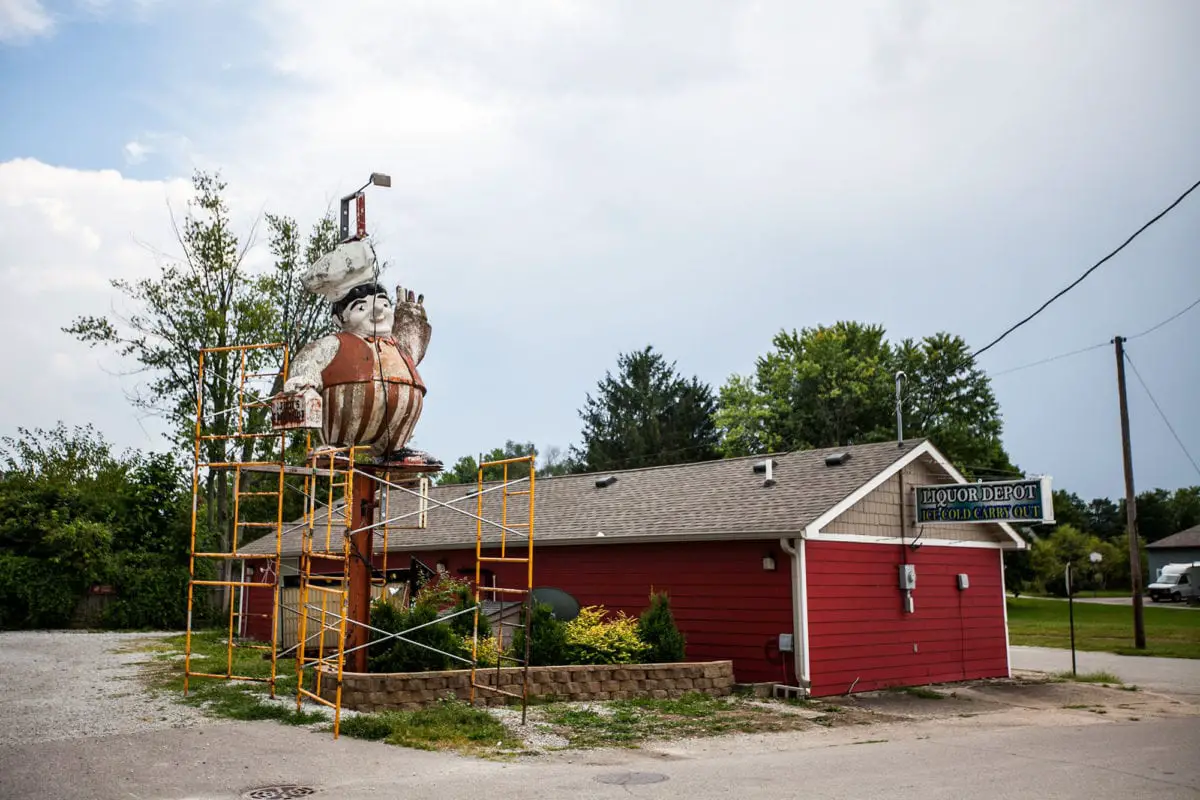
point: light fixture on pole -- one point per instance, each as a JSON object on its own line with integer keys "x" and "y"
{"x": 377, "y": 179}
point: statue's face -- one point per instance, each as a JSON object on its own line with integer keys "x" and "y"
{"x": 369, "y": 316}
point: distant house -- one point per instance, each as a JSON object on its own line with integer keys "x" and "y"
{"x": 1182, "y": 547}
{"x": 795, "y": 579}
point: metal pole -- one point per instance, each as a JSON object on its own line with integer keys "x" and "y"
{"x": 1135, "y": 559}
{"x": 899, "y": 410}
{"x": 1071, "y": 611}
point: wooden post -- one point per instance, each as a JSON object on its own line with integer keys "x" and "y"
{"x": 361, "y": 555}
{"x": 1135, "y": 558}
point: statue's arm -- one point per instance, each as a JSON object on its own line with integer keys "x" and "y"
{"x": 306, "y": 368}
{"x": 411, "y": 327}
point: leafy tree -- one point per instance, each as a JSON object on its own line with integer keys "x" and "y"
{"x": 209, "y": 298}
{"x": 73, "y": 515}
{"x": 1156, "y": 517}
{"x": 1187, "y": 508}
{"x": 466, "y": 469}
{"x": 648, "y": 415}
{"x": 835, "y": 385}
{"x": 1106, "y": 519}
{"x": 950, "y": 400}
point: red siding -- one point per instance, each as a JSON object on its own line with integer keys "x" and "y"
{"x": 724, "y": 602}
{"x": 858, "y": 630}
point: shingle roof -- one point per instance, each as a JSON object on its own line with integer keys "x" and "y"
{"x": 1186, "y": 538}
{"x": 722, "y": 499}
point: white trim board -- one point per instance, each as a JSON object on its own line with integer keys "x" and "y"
{"x": 924, "y": 541}
{"x": 814, "y": 528}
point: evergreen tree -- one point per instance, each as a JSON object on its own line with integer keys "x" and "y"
{"x": 648, "y": 415}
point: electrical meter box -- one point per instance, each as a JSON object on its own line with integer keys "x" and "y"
{"x": 908, "y": 577}
{"x": 963, "y": 581}
{"x": 785, "y": 643}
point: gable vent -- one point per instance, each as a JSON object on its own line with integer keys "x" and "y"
{"x": 607, "y": 480}
{"x": 836, "y": 459}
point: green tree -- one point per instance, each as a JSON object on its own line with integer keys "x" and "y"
{"x": 648, "y": 415}
{"x": 834, "y": 385}
{"x": 1187, "y": 508}
{"x": 948, "y": 399}
{"x": 657, "y": 628}
{"x": 466, "y": 469}
{"x": 209, "y": 298}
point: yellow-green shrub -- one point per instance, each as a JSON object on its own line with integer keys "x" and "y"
{"x": 593, "y": 639}
{"x": 488, "y": 653}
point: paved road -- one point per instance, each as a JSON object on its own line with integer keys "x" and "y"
{"x": 218, "y": 762}
{"x": 1170, "y": 675}
{"x": 1124, "y": 601}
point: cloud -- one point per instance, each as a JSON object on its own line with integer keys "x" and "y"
{"x": 575, "y": 179}
{"x": 22, "y": 20}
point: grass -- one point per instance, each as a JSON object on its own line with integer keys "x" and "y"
{"x": 1171, "y": 633}
{"x": 627, "y": 723}
{"x": 1090, "y": 677}
{"x": 922, "y": 692}
{"x": 450, "y": 724}
{"x": 447, "y": 725}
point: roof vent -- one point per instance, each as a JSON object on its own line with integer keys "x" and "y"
{"x": 607, "y": 480}
{"x": 766, "y": 467}
{"x": 837, "y": 459}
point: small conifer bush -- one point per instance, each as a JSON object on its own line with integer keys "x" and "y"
{"x": 656, "y": 627}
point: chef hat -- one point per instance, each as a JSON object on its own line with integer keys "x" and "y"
{"x": 348, "y": 265}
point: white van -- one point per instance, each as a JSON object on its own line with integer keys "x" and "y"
{"x": 1175, "y": 582}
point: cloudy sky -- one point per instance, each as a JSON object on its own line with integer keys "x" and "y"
{"x": 577, "y": 179}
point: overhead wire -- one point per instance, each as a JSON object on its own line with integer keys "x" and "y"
{"x": 1088, "y": 272}
{"x": 1058, "y": 357}
{"x": 1169, "y": 319}
{"x": 1162, "y": 414}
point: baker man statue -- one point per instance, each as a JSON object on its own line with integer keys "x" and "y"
{"x": 365, "y": 375}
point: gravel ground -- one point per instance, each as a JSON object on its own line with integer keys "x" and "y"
{"x": 57, "y": 685}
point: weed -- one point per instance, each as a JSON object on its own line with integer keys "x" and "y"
{"x": 448, "y": 724}
{"x": 870, "y": 741}
{"x": 1089, "y": 677}
{"x": 922, "y": 692}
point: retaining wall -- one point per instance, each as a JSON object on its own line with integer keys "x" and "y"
{"x": 409, "y": 690}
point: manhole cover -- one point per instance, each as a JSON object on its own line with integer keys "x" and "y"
{"x": 284, "y": 791}
{"x": 631, "y": 778}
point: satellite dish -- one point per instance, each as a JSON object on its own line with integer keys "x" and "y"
{"x": 565, "y": 607}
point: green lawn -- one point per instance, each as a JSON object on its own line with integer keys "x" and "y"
{"x": 1174, "y": 633}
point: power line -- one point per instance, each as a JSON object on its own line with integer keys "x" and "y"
{"x": 1149, "y": 394}
{"x": 1171, "y": 318}
{"x": 1089, "y": 271}
{"x": 1081, "y": 350}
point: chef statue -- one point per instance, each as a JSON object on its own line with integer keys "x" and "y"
{"x": 361, "y": 384}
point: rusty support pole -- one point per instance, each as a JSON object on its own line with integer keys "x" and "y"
{"x": 361, "y": 552}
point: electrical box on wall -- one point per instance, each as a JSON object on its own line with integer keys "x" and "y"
{"x": 963, "y": 581}
{"x": 908, "y": 577}
{"x": 785, "y": 643}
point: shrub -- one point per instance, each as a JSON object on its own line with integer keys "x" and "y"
{"x": 394, "y": 655}
{"x": 548, "y": 643}
{"x": 593, "y": 639}
{"x": 657, "y": 629}
{"x": 488, "y": 653}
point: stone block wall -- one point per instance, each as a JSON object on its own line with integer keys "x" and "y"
{"x": 410, "y": 690}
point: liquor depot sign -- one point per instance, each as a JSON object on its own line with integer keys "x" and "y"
{"x": 1028, "y": 501}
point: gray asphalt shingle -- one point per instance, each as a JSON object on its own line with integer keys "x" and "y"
{"x": 722, "y": 499}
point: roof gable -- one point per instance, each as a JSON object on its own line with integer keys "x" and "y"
{"x": 1185, "y": 538}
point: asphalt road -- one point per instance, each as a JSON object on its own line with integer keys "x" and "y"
{"x": 222, "y": 761}
{"x": 1171, "y": 675}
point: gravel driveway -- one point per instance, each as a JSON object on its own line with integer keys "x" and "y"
{"x": 57, "y": 685}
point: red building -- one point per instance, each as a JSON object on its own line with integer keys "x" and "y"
{"x": 794, "y": 575}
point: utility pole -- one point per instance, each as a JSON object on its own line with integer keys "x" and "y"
{"x": 1135, "y": 559}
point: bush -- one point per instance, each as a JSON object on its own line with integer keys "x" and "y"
{"x": 548, "y": 643}
{"x": 394, "y": 655}
{"x": 657, "y": 629}
{"x": 593, "y": 639}
{"x": 151, "y": 592}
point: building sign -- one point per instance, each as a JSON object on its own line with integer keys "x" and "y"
{"x": 1026, "y": 501}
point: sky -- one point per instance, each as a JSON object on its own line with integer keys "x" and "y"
{"x": 574, "y": 180}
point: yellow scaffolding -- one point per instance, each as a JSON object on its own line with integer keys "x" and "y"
{"x": 214, "y": 434}
{"x": 525, "y": 592}
{"x": 236, "y": 445}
